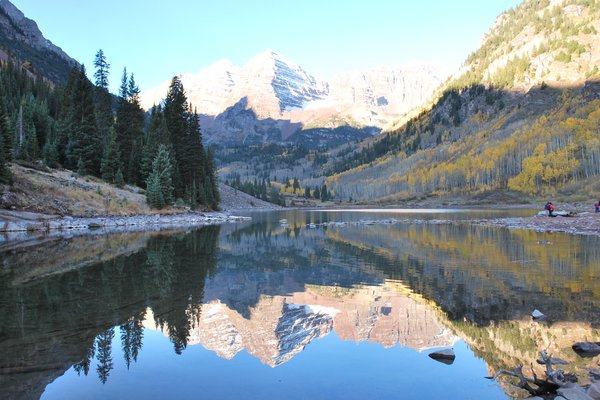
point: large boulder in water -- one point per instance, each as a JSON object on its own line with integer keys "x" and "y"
{"x": 445, "y": 356}
{"x": 587, "y": 349}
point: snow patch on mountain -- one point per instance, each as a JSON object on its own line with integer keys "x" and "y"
{"x": 273, "y": 86}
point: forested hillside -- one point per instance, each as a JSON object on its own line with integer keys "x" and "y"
{"x": 80, "y": 127}
{"x": 522, "y": 115}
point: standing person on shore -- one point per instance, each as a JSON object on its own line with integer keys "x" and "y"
{"x": 597, "y": 207}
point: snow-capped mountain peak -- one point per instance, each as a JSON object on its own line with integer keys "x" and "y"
{"x": 272, "y": 86}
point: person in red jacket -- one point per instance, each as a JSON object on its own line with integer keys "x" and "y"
{"x": 550, "y": 208}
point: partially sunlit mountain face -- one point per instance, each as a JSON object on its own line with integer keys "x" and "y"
{"x": 271, "y": 86}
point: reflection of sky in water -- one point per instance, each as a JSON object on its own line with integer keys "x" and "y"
{"x": 328, "y": 368}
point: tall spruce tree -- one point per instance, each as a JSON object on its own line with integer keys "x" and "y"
{"x": 130, "y": 128}
{"x": 159, "y": 186}
{"x": 194, "y": 177}
{"x": 5, "y": 174}
{"x": 65, "y": 119}
{"x": 50, "y": 151}
{"x": 103, "y": 99}
{"x": 111, "y": 157}
{"x": 102, "y": 70}
{"x": 5, "y": 135}
{"x": 84, "y": 140}
{"x": 176, "y": 119}
{"x": 157, "y": 133}
{"x": 5, "y": 144}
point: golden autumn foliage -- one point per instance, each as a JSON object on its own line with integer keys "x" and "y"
{"x": 522, "y": 115}
{"x": 534, "y": 156}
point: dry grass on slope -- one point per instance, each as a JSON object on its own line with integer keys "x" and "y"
{"x": 63, "y": 192}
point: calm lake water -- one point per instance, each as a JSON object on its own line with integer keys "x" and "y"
{"x": 327, "y": 305}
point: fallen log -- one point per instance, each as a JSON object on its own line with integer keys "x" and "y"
{"x": 545, "y": 387}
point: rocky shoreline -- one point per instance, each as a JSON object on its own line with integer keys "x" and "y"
{"x": 24, "y": 225}
{"x": 585, "y": 223}
{"x": 18, "y": 225}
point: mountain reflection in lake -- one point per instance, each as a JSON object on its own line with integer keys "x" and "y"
{"x": 268, "y": 310}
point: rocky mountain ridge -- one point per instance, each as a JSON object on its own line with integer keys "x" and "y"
{"x": 271, "y": 90}
{"x": 21, "y": 38}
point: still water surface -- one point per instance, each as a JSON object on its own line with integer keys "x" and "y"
{"x": 346, "y": 308}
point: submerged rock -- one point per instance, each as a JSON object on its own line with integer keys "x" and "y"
{"x": 445, "y": 356}
{"x": 587, "y": 349}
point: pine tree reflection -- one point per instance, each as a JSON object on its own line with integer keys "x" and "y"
{"x": 68, "y": 319}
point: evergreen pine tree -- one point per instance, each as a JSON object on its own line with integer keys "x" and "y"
{"x": 64, "y": 131}
{"x": 102, "y": 98}
{"x": 50, "y": 151}
{"x": 159, "y": 186}
{"x": 5, "y": 174}
{"x": 5, "y": 135}
{"x": 123, "y": 92}
{"x": 130, "y": 128}
{"x": 274, "y": 196}
{"x": 111, "y": 157}
{"x": 81, "y": 171}
{"x": 84, "y": 140}
{"x": 25, "y": 140}
{"x": 157, "y": 134}
{"x": 119, "y": 180}
{"x": 102, "y": 70}
{"x": 184, "y": 129}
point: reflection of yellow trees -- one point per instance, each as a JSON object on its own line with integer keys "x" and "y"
{"x": 490, "y": 259}
{"x": 507, "y": 344}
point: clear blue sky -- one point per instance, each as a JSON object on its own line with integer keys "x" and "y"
{"x": 156, "y": 39}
